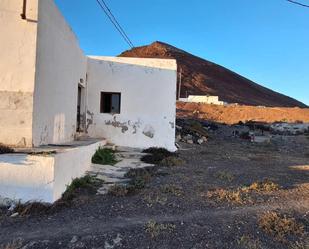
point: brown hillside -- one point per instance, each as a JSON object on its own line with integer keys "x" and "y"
{"x": 204, "y": 77}
{"x": 232, "y": 114}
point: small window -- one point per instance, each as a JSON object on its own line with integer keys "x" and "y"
{"x": 110, "y": 102}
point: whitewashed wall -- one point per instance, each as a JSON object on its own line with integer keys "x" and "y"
{"x": 59, "y": 67}
{"x": 17, "y": 71}
{"x": 148, "y": 101}
{"x": 205, "y": 99}
{"x": 43, "y": 178}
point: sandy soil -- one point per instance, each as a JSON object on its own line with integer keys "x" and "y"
{"x": 233, "y": 114}
{"x": 174, "y": 210}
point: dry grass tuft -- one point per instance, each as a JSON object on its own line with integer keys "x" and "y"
{"x": 5, "y": 149}
{"x": 118, "y": 190}
{"x": 171, "y": 161}
{"x": 224, "y": 176}
{"x": 153, "y": 199}
{"x": 223, "y": 195}
{"x": 139, "y": 178}
{"x": 249, "y": 242}
{"x": 264, "y": 186}
{"x": 31, "y": 208}
{"x": 172, "y": 189}
{"x": 280, "y": 226}
{"x": 155, "y": 229}
{"x": 197, "y": 127}
{"x": 241, "y": 195}
{"x": 14, "y": 244}
{"x": 300, "y": 244}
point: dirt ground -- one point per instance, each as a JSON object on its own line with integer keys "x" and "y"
{"x": 232, "y": 114}
{"x": 208, "y": 202}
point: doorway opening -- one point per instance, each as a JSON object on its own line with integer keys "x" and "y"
{"x": 80, "y": 126}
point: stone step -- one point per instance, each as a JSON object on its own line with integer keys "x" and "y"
{"x": 115, "y": 174}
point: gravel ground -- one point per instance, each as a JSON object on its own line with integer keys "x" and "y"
{"x": 175, "y": 209}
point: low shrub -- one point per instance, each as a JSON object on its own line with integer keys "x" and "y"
{"x": 31, "y": 208}
{"x": 171, "y": 161}
{"x": 156, "y": 155}
{"x": 139, "y": 178}
{"x": 241, "y": 195}
{"x": 249, "y": 242}
{"x": 280, "y": 226}
{"x": 87, "y": 183}
{"x": 197, "y": 127}
{"x": 223, "y": 195}
{"x": 263, "y": 186}
{"x": 245, "y": 135}
{"x": 5, "y": 149}
{"x": 104, "y": 156}
{"x": 172, "y": 189}
{"x": 224, "y": 176}
{"x": 118, "y": 190}
{"x": 155, "y": 229}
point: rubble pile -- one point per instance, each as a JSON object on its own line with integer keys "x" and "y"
{"x": 193, "y": 131}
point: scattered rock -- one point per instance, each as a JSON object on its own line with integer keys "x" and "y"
{"x": 190, "y": 141}
{"x": 14, "y": 215}
{"x": 200, "y": 141}
{"x": 192, "y": 131}
{"x": 74, "y": 239}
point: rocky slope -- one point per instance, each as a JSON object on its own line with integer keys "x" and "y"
{"x": 201, "y": 77}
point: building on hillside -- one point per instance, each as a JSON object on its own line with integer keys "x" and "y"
{"x": 213, "y": 100}
{"x": 52, "y": 94}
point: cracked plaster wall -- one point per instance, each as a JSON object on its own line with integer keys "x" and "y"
{"x": 148, "y": 101}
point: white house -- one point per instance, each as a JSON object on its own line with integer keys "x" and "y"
{"x": 51, "y": 93}
{"x": 212, "y": 100}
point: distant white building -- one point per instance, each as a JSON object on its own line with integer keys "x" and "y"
{"x": 51, "y": 94}
{"x": 213, "y": 100}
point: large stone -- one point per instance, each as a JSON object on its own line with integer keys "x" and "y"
{"x": 190, "y": 141}
{"x": 200, "y": 141}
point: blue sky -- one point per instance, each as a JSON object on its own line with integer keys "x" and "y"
{"x": 266, "y": 41}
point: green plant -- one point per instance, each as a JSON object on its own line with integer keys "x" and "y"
{"x": 104, "y": 156}
{"x": 87, "y": 182}
{"x": 5, "y": 149}
{"x": 138, "y": 182}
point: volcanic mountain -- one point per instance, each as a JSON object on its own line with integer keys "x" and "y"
{"x": 202, "y": 77}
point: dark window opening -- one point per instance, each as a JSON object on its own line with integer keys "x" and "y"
{"x": 110, "y": 102}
